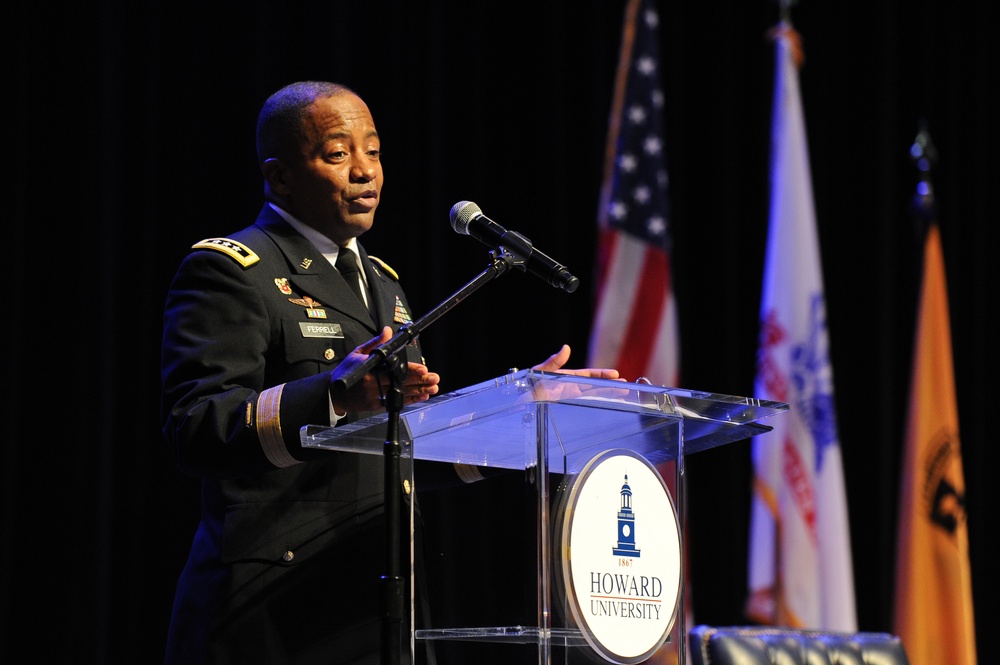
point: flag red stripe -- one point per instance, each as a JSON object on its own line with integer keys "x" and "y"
{"x": 607, "y": 239}
{"x": 643, "y": 328}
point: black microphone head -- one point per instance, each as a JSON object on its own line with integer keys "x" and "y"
{"x": 462, "y": 214}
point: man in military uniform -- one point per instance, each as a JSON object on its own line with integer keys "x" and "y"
{"x": 284, "y": 563}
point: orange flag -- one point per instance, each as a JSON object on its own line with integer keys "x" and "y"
{"x": 933, "y": 604}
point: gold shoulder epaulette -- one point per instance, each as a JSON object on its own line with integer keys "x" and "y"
{"x": 384, "y": 266}
{"x": 237, "y": 251}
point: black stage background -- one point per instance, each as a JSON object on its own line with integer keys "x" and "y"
{"x": 130, "y": 128}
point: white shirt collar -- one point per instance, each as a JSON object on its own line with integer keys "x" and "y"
{"x": 327, "y": 247}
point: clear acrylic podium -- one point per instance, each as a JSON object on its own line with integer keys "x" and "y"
{"x": 549, "y": 426}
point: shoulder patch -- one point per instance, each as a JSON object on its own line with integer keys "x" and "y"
{"x": 235, "y": 250}
{"x": 385, "y": 267}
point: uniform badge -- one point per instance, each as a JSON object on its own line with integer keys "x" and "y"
{"x": 322, "y": 330}
{"x": 282, "y": 284}
{"x": 306, "y": 263}
{"x": 400, "y": 315}
{"x": 314, "y": 309}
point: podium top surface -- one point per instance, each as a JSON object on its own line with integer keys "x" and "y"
{"x": 519, "y": 419}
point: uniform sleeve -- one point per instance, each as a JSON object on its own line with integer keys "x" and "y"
{"x": 221, "y": 415}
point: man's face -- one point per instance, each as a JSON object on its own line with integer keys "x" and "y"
{"x": 334, "y": 181}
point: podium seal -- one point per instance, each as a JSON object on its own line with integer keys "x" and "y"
{"x": 621, "y": 556}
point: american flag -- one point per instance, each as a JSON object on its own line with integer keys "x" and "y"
{"x": 635, "y": 323}
{"x": 635, "y": 318}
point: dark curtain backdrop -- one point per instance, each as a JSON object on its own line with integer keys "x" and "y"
{"x": 130, "y": 136}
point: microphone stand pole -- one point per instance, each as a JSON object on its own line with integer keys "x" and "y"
{"x": 387, "y": 357}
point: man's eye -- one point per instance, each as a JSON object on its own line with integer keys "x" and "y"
{"x": 374, "y": 153}
{"x": 337, "y": 155}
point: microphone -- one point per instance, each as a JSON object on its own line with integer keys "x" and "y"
{"x": 468, "y": 219}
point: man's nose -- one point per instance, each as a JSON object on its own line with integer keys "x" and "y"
{"x": 363, "y": 169}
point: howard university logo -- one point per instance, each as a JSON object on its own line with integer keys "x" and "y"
{"x": 625, "y": 604}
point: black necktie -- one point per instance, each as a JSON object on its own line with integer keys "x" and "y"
{"x": 347, "y": 266}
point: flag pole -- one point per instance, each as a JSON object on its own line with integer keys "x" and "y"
{"x": 615, "y": 115}
{"x": 924, "y": 156}
{"x": 785, "y": 11}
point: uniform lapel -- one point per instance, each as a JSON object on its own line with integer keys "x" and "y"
{"x": 378, "y": 290}
{"x": 311, "y": 273}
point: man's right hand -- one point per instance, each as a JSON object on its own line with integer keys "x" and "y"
{"x": 365, "y": 395}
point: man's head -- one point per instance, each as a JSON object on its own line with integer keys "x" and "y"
{"x": 319, "y": 153}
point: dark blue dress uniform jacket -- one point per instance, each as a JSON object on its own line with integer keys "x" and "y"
{"x": 285, "y": 562}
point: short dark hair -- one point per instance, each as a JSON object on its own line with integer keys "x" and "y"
{"x": 279, "y": 125}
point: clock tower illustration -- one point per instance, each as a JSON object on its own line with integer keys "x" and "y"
{"x": 626, "y": 525}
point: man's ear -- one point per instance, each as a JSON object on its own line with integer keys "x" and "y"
{"x": 276, "y": 175}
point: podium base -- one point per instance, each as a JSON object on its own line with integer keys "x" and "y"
{"x": 564, "y": 637}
